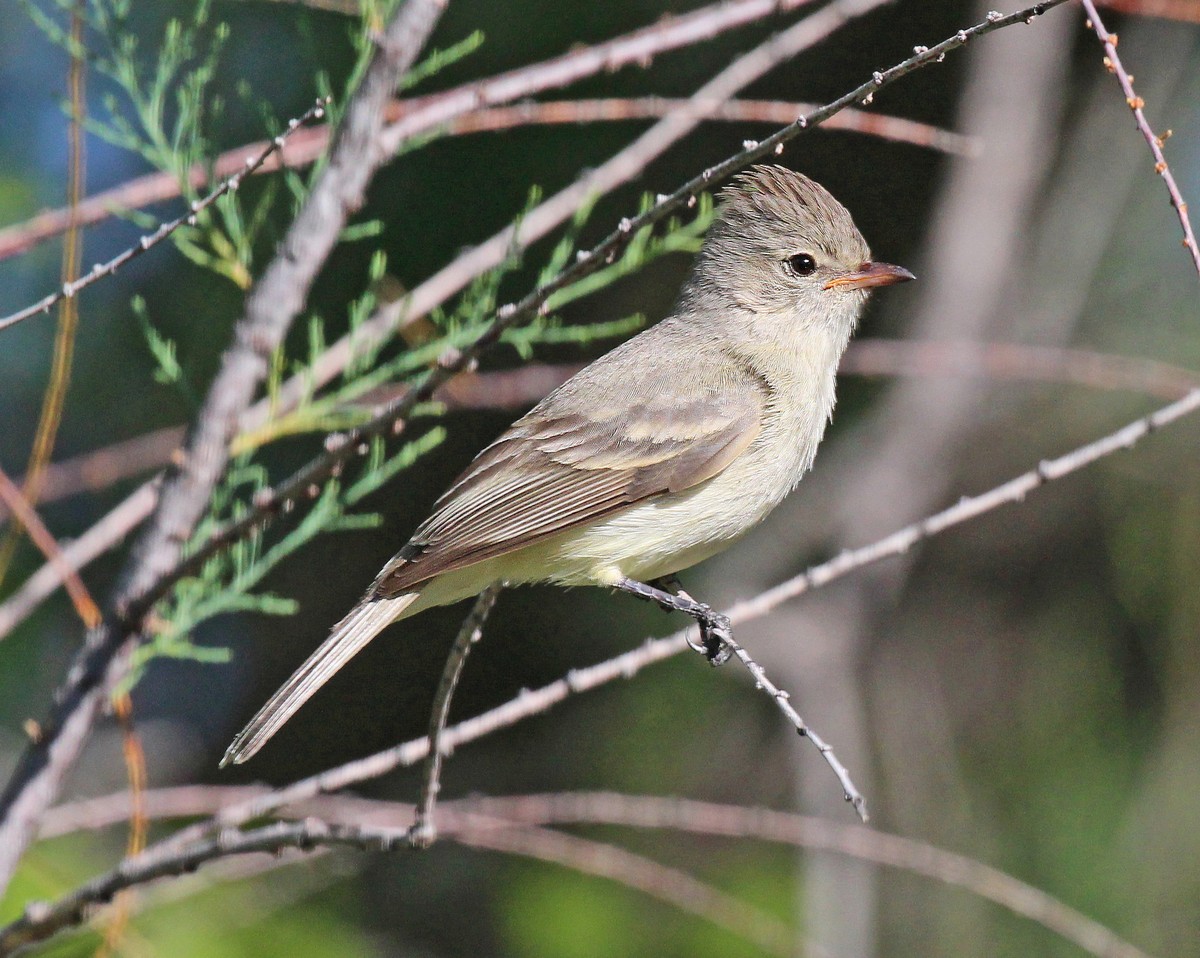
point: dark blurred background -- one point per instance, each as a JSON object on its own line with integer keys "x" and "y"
{"x": 1021, "y": 690}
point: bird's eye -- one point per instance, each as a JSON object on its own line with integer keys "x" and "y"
{"x": 802, "y": 264}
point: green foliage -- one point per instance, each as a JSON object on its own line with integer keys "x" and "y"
{"x": 229, "y": 581}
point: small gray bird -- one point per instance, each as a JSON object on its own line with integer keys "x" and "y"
{"x": 657, "y": 455}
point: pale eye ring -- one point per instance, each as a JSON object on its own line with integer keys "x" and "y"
{"x": 802, "y": 264}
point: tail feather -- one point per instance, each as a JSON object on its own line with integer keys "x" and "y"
{"x": 347, "y": 639}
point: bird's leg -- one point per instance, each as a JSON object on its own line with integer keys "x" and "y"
{"x": 716, "y": 633}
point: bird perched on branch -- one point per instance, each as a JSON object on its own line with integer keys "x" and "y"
{"x": 657, "y": 455}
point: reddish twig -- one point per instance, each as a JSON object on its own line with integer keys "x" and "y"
{"x": 54, "y": 399}
{"x": 1112, "y": 63}
{"x": 775, "y": 112}
{"x": 20, "y": 507}
{"x": 99, "y": 539}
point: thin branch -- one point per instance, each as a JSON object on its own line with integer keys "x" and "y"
{"x": 424, "y": 829}
{"x": 104, "y": 535}
{"x": 604, "y": 860}
{"x": 108, "y": 465}
{"x": 783, "y": 702}
{"x": 19, "y": 506}
{"x": 54, "y": 399}
{"x": 1045, "y": 364}
{"x": 775, "y": 112}
{"x": 1112, "y": 63}
{"x": 472, "y": 821}
{"x": 274, "y": 301}
{"x": 71, "y": 289}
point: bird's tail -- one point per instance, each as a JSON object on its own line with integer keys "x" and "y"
{"x": 347, "y": 639}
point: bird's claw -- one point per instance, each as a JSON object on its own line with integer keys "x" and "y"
{"x": 716, "y": 638}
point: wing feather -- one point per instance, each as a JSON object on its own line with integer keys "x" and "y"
{"x": 581, "y": 454}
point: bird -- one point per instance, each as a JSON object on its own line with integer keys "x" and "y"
{"x": 658, "y": 454}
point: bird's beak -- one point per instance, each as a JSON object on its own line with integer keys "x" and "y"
{"x": 870, "y": 275}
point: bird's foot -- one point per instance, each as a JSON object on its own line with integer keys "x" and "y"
{"x": 716, "y": 636}
{"x": 716, "y": 632}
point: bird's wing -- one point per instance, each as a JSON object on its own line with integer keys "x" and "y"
{"x": 581, "y": 454}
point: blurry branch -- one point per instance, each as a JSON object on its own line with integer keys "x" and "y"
{"x": 424, "y": 114}
{"x": 68, "y": 313}
{"x": 135, "y": 769}
{"x": 71, "y": 289}
{"x": 603, "y": 860}
{"x": 305, "y": 147}
{"x": 811, "y": 834}
{"x": 271, "y": 305}
{"x": 775, "y": 112}
{"x": 19, "y": 506}
{"x": 1046, "y": 364}
{"x": 111, "y": 464}
{"x": 504, "y": 824}
{"x": 157, "y": 561}
{"x": 1112, "y": 63}
{"x": 1185, "y": 10}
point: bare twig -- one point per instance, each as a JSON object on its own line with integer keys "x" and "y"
{"x": 1113, "y": 63}
{"x": 306, "y": 145}
{"x": 604, "y": 860}
{"x": 1046, "y": 364}
{"x": 277, "y": 297}
{"x": 424, "y": 829}
{"x": 150, "y": 240}
{"x": 783, "y": 702}
{"x": 775, "y": 112}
